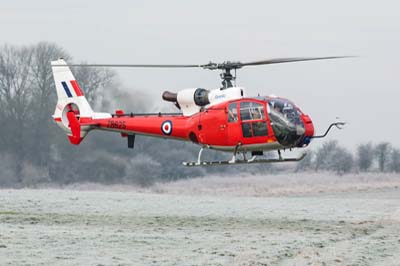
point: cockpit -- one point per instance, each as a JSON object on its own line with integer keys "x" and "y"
{"x": 286, "y": 121}
{"x": 253, "y": 117}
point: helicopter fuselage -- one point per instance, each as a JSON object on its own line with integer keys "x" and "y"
{"x": 245, "y": 124}
{"x": 224, "y": 119}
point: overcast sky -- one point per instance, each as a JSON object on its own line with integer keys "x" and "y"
{"x": 364, "y": 91}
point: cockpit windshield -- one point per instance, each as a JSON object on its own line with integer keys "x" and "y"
{"x": 286, "y": 121}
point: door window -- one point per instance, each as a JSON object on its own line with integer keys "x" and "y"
{"x": 251, "y": 111}
{"x": 246, "y": 129}
{"x": 255, "y": 129}
{"x": 232, "y": 112}
{"x": 259, "y": 129}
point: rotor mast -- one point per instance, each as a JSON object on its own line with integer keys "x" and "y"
{"x": 227, "y": 78}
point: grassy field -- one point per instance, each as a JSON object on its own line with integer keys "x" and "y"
{"x": 215, "y": 226}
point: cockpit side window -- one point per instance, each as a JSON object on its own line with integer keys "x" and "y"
{"x": 232, "y": 112}
{"x": 251, "y": 111}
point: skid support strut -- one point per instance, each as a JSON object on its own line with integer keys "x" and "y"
{"x": 233, "y": 160}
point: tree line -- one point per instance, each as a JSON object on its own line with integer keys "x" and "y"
{"x": 34, "y": 150}
{"x": 368, "y": 157}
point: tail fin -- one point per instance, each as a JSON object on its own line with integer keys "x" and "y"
{"x": 72, "y": 107}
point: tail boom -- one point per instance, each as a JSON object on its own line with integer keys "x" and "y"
{"x": 152, "y": 125}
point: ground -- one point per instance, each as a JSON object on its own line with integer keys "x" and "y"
{"x": 76, "y": 226}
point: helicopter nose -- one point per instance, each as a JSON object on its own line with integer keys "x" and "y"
{"x": 308, "y": 131}
{"x": 308, "y": 126}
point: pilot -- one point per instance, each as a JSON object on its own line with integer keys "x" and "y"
{"x": 278, "y": 107}
{"x": 256, "y": 114}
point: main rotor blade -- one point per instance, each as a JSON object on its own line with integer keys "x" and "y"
{"x": 129, "y": 65}
{"x": 211, "y": 65}
{"x": 288, "y": 60}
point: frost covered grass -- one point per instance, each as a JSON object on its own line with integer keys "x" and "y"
{"x": 279, "y": 185}
{"x": 268, "y": 185}
{"x": 205, "y": 222}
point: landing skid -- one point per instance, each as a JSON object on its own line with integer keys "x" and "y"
{"x": 242, "y": 161}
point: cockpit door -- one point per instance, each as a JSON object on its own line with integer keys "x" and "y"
{"x": 253, "y": 122}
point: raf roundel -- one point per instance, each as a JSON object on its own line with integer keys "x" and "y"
{"x": 166, "y": 127}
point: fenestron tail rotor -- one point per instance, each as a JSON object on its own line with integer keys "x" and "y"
{"x": 226, "y": 66}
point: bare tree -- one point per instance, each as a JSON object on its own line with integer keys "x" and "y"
{"x": 394, "y": 164}
{"x": 365, "y": 156}
{"x": 382, "y": 151}
{"x": 44, "y": 99}
{"x": 27, "y": 100}
{"x": 332, "y": 157}
{"x": 15, "y": 96}
{"x": 342, "y": 161}
{"x": 323, "y": 156}
{"x": 306, "y": 163}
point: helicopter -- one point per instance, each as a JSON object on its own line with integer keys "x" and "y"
{"x": 223, "y": 119}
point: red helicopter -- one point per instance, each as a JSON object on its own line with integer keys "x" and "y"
{"x": 223, "y": 119}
